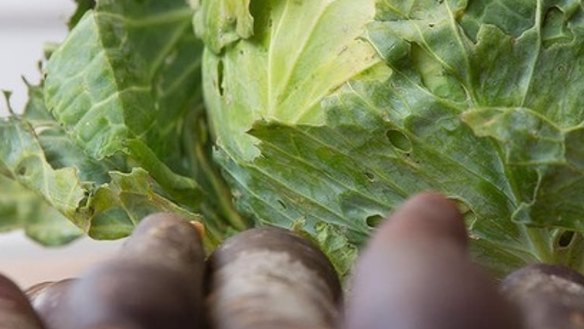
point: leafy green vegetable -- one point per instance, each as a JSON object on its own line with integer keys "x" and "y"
{"x": 20, "y": 207}
{"x": 336, "y": 111}
{"x": 220, "y": 23}
{"x": 116, "y": 131}
{"x": 82, "y": 7}
{"x": 323, "y": 116}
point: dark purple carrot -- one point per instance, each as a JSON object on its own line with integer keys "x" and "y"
{"x": 272, "y": 278}
{"x": 156, "y": 282}
{"x": 49, "y": 299}
{"x": 550, "y": 296}
{"x": 416, "y": 273}
{"x": 15, "y": 309}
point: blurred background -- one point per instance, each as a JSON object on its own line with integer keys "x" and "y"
{"x": 25, "y": 26}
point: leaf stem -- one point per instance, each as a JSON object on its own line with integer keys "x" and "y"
{"x": 196, "y": 138}
{"x": 540, "y": 245}
{"x": 221, "y": 191}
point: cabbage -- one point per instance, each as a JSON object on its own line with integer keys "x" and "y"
{"x": 328, "y": 114}
{"x": 116, "y": 130}
{"x": 320, "y": 116}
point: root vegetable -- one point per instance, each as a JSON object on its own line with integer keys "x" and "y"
{"x": 49, "y": 300}
{"x": 168, "y": 240}
{"x": 416, "y": 273}
{"x": 155, "y": 284}
{"x": 32, "y": 291}
{"x": 15, "y": 309}
{"x": 550, "y": 296}
{"x": 271, "y": 278}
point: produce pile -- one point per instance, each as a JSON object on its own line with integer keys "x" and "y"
{"x": 159, "y": 280}
{"x": 317, "y": 116}
{"x": 415, "y": 273}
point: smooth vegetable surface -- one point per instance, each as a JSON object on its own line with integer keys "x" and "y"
{"x": 272, "y": 278}
{"x": 144, "y": 287}
{"x": 416, "y": 273}
{"x": 49, "y": 300}
{"x": 15, "y": 309}
{"x": 322, "y": 116}
{"x": 550, "y": 296}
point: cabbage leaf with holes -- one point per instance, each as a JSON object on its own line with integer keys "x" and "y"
{"x": 317, "y": 115}
{"x": 116, "y": 129}
{"x": 333, "y": 112}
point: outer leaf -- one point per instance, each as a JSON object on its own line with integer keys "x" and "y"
{"x": 222, "y": 22}
{"x": 118, "y": 206}
{"x": 126, "y": 84}
{"x": 24, "y": 160}
{"x": 82, "y": 7}
{"x": 21, "y": 208}
{"x": 120, "y": 119}
{"x": 52, "y": 171}
{"x": 60, "y": 151}
{"x": 476, "y": 99}
{"x": 106, "y": 211}
{"x": 117, "y": 86}
{"x": 128, "y": 71}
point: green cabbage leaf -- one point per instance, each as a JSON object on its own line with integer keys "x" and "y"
{"x": 321, "y": 116}
{"x": 334, "y": 112}
{"x": 116, "y": 130}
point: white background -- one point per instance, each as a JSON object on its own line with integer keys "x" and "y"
{"x": 25, "y": 25}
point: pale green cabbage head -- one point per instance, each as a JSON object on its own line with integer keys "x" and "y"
{"x": 321, "y": 115}
{"x": 328, "y": 114}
